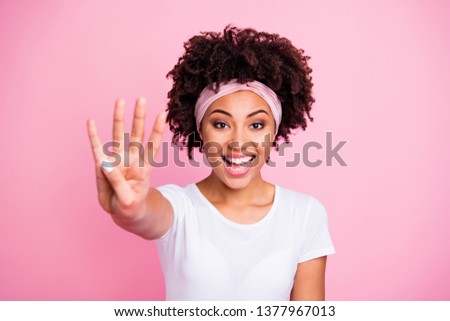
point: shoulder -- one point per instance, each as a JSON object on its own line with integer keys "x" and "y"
{"x": 300, "y": 203}
{"x": 172, "y": 187}
{"x": 294, "y": 198}
{"x": 177, "y": 195}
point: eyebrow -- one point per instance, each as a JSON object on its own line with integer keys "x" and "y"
{"x": 228, "y": 114}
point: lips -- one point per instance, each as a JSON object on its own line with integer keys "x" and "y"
{"x": 238, "y": 160}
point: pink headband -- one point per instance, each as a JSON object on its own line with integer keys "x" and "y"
{"x": 208, "y": 96}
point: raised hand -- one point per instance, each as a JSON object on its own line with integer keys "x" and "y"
{"x": 122, "y": 190}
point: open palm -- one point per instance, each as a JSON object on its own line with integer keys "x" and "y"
{"x": 123, "y": 188}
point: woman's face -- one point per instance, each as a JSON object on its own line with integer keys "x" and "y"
{"x": 237, "y": 131}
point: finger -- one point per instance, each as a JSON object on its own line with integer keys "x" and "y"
{"x": 154, "y": 141}
{"x": 118, "y": 127}
{"x": 96, "y": 145}
{"x": 118, "y": 182}
{"x": 104, "y": 189}
{"x": 137, "y": 131}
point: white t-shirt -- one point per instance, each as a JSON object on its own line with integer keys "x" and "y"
{"x": 205, "y": 256}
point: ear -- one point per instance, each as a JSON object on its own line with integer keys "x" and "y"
{"x": 200, "y": 131}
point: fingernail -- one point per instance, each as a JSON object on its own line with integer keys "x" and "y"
{"x": 107, "y": 169}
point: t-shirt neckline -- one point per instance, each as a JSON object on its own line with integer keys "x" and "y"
{"x": 217, "y": 213}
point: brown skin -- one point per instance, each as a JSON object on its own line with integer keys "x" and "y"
{"x": 232, "y": 132}
{"x": 309, "y": 281}
{"x": 134, "y": 206}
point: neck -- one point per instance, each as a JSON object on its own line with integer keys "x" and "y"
{"x": 218, "y": 191}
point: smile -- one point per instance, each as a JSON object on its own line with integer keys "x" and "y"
{"x": 238, "y": 161}
{"x": 238, "y": 165}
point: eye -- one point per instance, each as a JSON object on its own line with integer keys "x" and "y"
{"x": 257, "y": 125}
{"x": 219, "y": 124}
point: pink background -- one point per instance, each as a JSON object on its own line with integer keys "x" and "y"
{"x": 381, "y": 72}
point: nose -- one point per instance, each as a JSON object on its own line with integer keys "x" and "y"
{"x": 239, "y": 134}
{"x": 240, "y": 141}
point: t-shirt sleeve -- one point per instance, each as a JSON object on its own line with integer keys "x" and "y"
{"x": 316, "y": 239}
{"x": 177, "y": 198}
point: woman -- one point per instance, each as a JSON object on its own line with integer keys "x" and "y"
{"x": 233, "y": 235}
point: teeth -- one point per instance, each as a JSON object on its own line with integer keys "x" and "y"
{"x": 239, "y": 161}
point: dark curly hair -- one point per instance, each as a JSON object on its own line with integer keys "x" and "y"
{"x": 245, "y": 54}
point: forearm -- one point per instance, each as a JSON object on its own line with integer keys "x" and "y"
{"x": 149, "y": 221}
